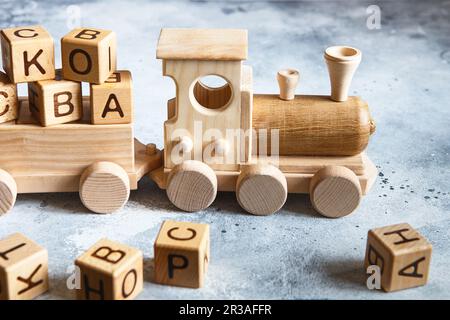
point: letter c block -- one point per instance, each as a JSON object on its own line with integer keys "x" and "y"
{"x": 110, "y": 271}
{"x": 182, "y": 253}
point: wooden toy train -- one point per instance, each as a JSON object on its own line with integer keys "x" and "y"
{"x": 215, "y": 138}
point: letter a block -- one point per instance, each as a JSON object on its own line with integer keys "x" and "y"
{"x": 28, "y": 54}
{"x": 110, "y": 271}
{"x": 112, "y": 101}
{"x": 402, "y": 255}
{"x": 23, "y": 268}
{"x": 182, "y": 254}
{"x": 88, "y": 55}
{"x": 8, "y": 99}
{"x": 55, "y": 101}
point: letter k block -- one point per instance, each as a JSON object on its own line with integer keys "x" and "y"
{"x": 402, "y": 254}
{"x": 110, "y": 271}
{"x": 182, "y": 254}
{"x": 55, "y": 101}
{"x": 23, "y": 268}
{"x": 28, "y": 54}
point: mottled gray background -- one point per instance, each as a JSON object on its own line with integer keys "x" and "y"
{"x": 295, "y": 253}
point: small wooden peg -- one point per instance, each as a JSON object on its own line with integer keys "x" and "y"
{"x": 288, "y": 80}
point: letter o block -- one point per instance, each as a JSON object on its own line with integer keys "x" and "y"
{"x": 55, "y": 101}
{"x": 88, "y": 55}
{"x": 23, "y": 268}
{"x": 112, "y": 101}
{"x": 182, "y": 254}
{"x": 8, "y": 99}
{"x": 402, "y": 255}
{"x": 110, "y": 271}
{"x": 28, "y": 54}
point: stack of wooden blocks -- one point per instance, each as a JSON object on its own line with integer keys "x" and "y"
{"x": 55, "y": 96}
{"x": 109, "y": 270}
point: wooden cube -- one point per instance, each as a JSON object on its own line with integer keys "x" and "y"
{"x": 182, "y": 254}
{"x": 23, "y": 268}
{"x": 402, "y": 255}
{"x": 55, "y": 101}
{"x": 110, "y": 271}
{"x": 9, "y": 104}
{"x": 112, "y": 101}
{"x": 28, "y": 54}
{"x": 88, "y": 55}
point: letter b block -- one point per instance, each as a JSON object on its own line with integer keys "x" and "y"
{"x": 28, "y": 54}
{"x": 8, "y": 99}
{"x": 402, "y": 255}
{"x": 88, "y": 55}
{"x": 110, "y": 271}
{"x": 112, "y": 101}
{"x": 55, "y": 101}
{"x": 23, "y": 268}
{"x": 182, "y": 254}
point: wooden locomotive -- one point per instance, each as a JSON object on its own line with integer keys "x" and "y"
{"x": 214, "y": 137}
{"x": 56, "y": 140}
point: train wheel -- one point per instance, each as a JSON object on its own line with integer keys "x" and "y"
{"x": 261, "y": 189}
{"x": 8, "y": 192}
{"x": 335, "y": 191}
{"x": 192, "y": 186}
{"x": 104, "y": 187}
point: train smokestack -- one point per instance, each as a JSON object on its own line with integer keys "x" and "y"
{"x": 288, "y": 80}
{"x": 342, "y": 62}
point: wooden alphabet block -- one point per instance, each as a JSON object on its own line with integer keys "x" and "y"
{"x": 55, "y": 101}
{"x": 402, "y": 255}
{"x": 110, "y": 271}
{"x": 182, "y": 254}
{"x": 23, "y": 268}
{"x": 9, "y": 104}
{"x": 28, "y": 54}
{"x": 112, "y": 101}
{"x": 88, "y": 55}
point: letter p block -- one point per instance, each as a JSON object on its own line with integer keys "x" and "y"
{"x": 110, "y": 271}
{"x": 182, "y": 254}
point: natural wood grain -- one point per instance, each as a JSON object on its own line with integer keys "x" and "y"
{"x": 89, "y": 55}
{"x": 8, "y": 192}
{"x": 335, "y": 191}
{"x": 104, "y": 187}
{"x": 55, "y": 101}
{"x": 9, "y": 104}
{"x": 192, "y": 186}
{"x": 261, "y": 189}
{"x": 112, "y": 101}
{"x": 110, "y": 271}
{"x": 182, "y": 254}
{"x": 202, "y": 44}
{"x": 312, "y": 125}
{"x": 246, "y": 112}
{"x": 23, "y": 268}
{"x": 342, "y": 62}
{"x": 28, "y": 54}
{"x": 402, "y": 254}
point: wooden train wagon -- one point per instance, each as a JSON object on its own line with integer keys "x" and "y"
{"x": 101, "y": 162}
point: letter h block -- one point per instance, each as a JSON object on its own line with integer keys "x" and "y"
{"x": 110, "y": 271}
{"x": 88, "y": 55}
{"x": 23, "y": 268}
{"x": 55, "y": 101}
{"x": 402, "y": 255}
{"x": 28, "y": 54}
{"x": 182, "y": 254}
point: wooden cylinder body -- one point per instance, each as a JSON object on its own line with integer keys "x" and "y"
{"x": 312, "y": 125}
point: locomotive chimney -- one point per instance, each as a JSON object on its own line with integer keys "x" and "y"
{"x": 287, "y": 80}
{"x": 342, "y": 63}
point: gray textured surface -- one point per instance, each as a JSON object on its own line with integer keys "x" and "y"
{"x": 295, "y": 253}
